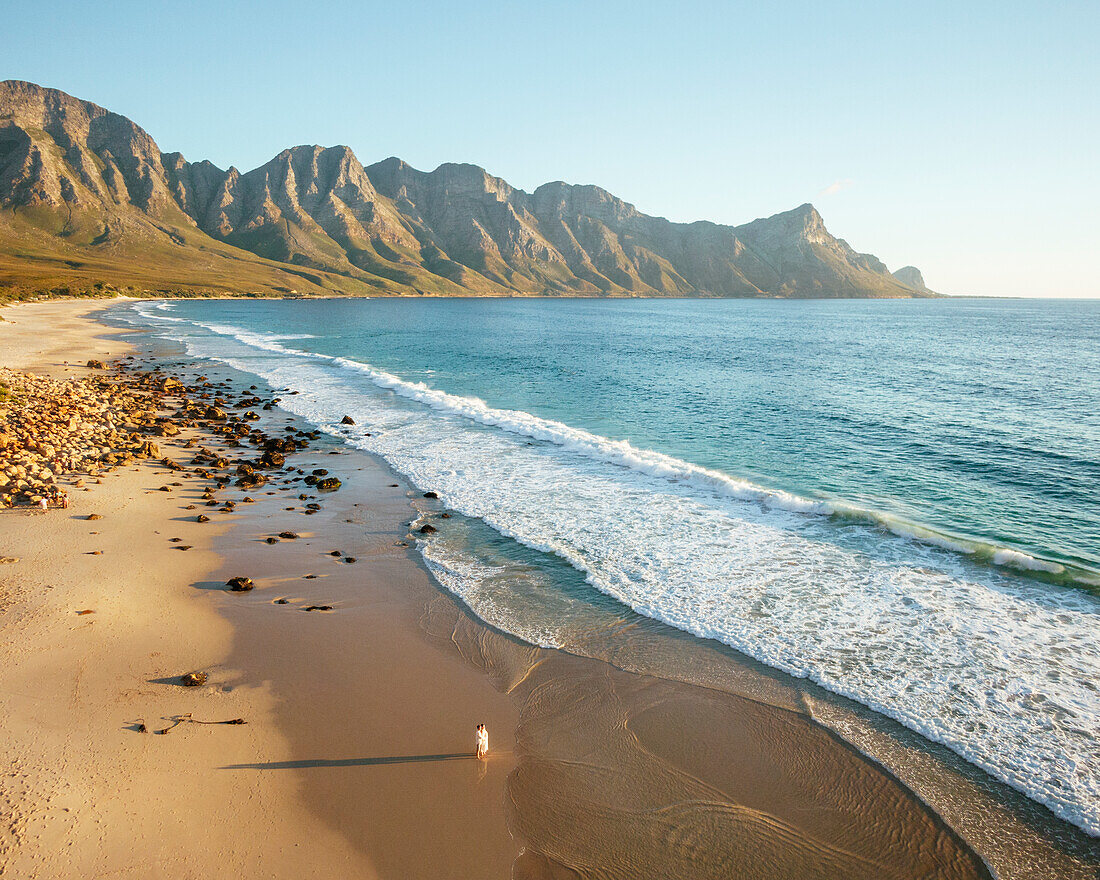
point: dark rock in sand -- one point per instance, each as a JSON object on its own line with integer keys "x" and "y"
{"x": 431, "y": 495}
{"x": 272, "y": 458}
{"x": 93, "y": 516}
{"x": 317, "y": 608}
{"x": 320, "y": 472}
{"x": 347, "y": 420}
{"x": 290, "y": 536}
{"x": 271, "y": 540}
{"x": 428, "y": 529}
{"x": 350, "y": 560}
{"x": 202, "y": 518}
{"x": 240, "y": 584}
{"x": 96, "y": 365}
{"x": 328, "y": 484}
{"x": 335, "y": 553}
{"x": 193, "y": 679}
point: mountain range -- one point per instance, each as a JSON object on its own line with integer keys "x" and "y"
{"x": 89, "y": 201}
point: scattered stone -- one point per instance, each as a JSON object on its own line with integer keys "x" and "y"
{"x": 85, "y": 611}
{"x": 202, "y": 518}
{"x": 93, "y": 516}
{"x": 428, "y": 529}
{"x": 290, "y": 536}
{"x": 317, "y": 608}
{"x": 347, "y": 420}
{"x": 328, "y": 484}
{"x": 271, "y": 540}
{"x": 8, "y": 560}
{"x": 240, "y": 584}
{"x": 431, "y": 495}
{"x": 96, "y": 365}
{"x": 165, "y": 489}
{"x": 193, "y": 679}
{"x": 335, "y": 553}
{"x": 281, "y": 602}
{"x": 350, "y": 560}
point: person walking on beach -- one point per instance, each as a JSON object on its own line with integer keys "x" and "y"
{"x": 482, "y": 741}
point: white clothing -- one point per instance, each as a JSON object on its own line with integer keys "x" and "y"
{"x": 482, "y": 742}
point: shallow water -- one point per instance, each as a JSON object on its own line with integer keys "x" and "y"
{"x": 749, "y": 472}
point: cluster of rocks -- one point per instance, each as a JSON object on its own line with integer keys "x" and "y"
{"x": 82, "y": 426}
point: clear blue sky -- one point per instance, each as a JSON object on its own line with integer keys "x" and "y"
{"x": 962, "y": 137}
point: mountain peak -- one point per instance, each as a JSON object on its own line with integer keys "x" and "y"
{"x": 911, "y": 276}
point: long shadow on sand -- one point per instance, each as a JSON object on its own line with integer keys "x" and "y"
{"x": 350, "y": 762}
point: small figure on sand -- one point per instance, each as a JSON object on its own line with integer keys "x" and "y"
{"x": 482, "y": 741}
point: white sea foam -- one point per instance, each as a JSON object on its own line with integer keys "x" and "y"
{"x": 1016, "y": 559}
{"x": 1000, "y": 670}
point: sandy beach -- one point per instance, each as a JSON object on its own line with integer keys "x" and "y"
{"x": 356, "y": 756}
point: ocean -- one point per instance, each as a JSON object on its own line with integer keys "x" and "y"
{"x": 894, "y": 499}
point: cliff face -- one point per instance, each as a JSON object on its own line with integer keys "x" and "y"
{"x": 82, "y": 184}
{"x": 911, "y": 276}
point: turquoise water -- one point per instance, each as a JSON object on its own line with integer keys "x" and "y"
{"x": 896, "y": 499}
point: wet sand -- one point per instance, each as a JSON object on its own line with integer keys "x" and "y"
{"x": 355, "y": 761}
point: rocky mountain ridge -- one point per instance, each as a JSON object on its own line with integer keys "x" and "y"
{"x": 87, "y": 193}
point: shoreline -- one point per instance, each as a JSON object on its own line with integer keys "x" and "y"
{"x": 397, "y": 643}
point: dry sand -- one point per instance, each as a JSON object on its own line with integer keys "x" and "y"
{"x": 85, "y": 795}
{"x": 354, "y": 761}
